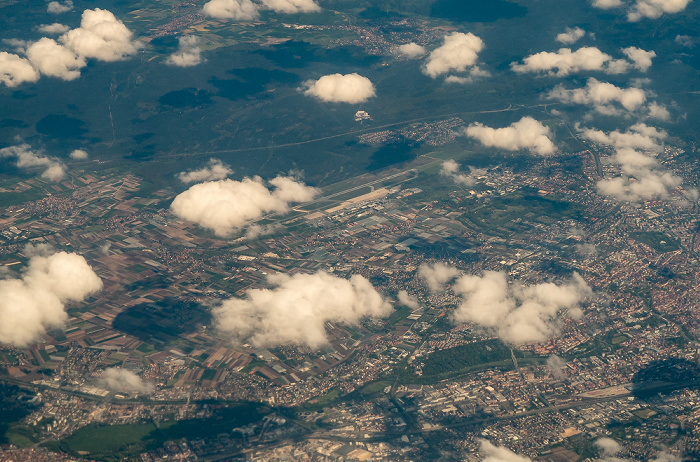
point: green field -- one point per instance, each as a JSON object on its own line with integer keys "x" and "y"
{"x": 452, "y": 362}
{"x": 657, "y": 241}
{"x": 125, "y": 442}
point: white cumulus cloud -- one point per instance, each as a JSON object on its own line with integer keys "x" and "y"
{"x": 406, "y": 299}
{"x": 437, "y": 275}
{"x": 188, "y": 52}
{"x": 641, "y": 176}
{"x": 339, "y": 88}
{"x": 124, "y": 381}
{"x": 54, "y": 60}
{"x": 226, "y": 206}
{"x": 15, "y": 70}
{"x": 55, "y": 28}
{"x": 214, "y": 170}
{"x": 28, "y": 158}
{"x": 101, "y": 36}
{"x": 491, "y": 453}
{"x": 296, "y": 308}
{"x": 641, "y": 59}
{"x": 603, "y": 96}
{"x": 292, "y": 6}
{"x": 36, "y": 301}
{"x": 58, "y": 8}
{"x": 239, "y": 10}
{"x": 517, "y": 313}
{"x": 78, "y": 154}
{"x": 607, "y": 4}
{"x": 458, "y": 52}
{"x": 564, "y": 61}
{"x": 571, "y": 35}
{"x": 527, "y": 133}
{"x": 450, "y": 169}
{"x": 411, "y": 50}
{"x": 653, "y": 9}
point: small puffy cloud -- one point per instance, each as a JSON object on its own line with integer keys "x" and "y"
{"x": 474, "y": 73}
{"x": 638, "y": 136}
{"x": 564, "y": 62}
{"x": 188, "y": 52}
{"x": 527, "y": 133}
{"x": 586, "y": 249}
{"x": 657, "y": 111}
{"x": 27, "y": 158}
{"x": 653, "y": 9}
{"x": 519, "y": 314}
{"x": 101, "y": 36}
{"x": 296, "y": 308}
{"x": 641, "y": 177}
{"x": 437, "y": 276}
{"x": 78, "y": 154}
{"x": 339, "y": 88}
{"x": 55, "y": 28}
{"x": 15, "y": 70}
{"x": 292, "y": 6}
{"x": 556, "y": 366}
{"x": 405, "y": 299}
{"x": 411, "y": 50}
{"x": 491, "y": 453}
{"x": 226, "y": 206}
{"x": 214, "y": 170}
{"x": 239, "y": 10}
{"x": 54, "y": 60}
{"x": 608, "y": 446}
{"x": 643, "y": 185}
{"x": 641, "y": 59}
{"x": 601, "y": 95}
{"x": 451, "y": 170}
{"x": 458, "y": 52}
{"x": 124, "y": 381}
{"x": 58, "y": 8}
{"x": 607, "y": 4}
{"x": 36, "y": 302}
{"x": 571, "y": 35}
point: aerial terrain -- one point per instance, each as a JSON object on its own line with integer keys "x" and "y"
{"x": 329, "y": 230}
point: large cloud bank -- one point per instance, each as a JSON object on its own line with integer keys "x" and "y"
{"x": 226, "y": 206}
{"x": 458, "y": 52}
{"x": 519, "y": 314}
{"x": 28, "y": 158}
{"x": 213, "y": 171}
{"x": 339, "y": 88}
{"x": 642, "y": 178}
{"x": 527, "y": 133}
{"x": 188, "y": 52}
{"x": 36, "y": 301}
{"x": 294, "y": 311}
{"x": 564, "y": 62}
{"x": 124, "y": 381}
{"x": 100, "y": 36}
